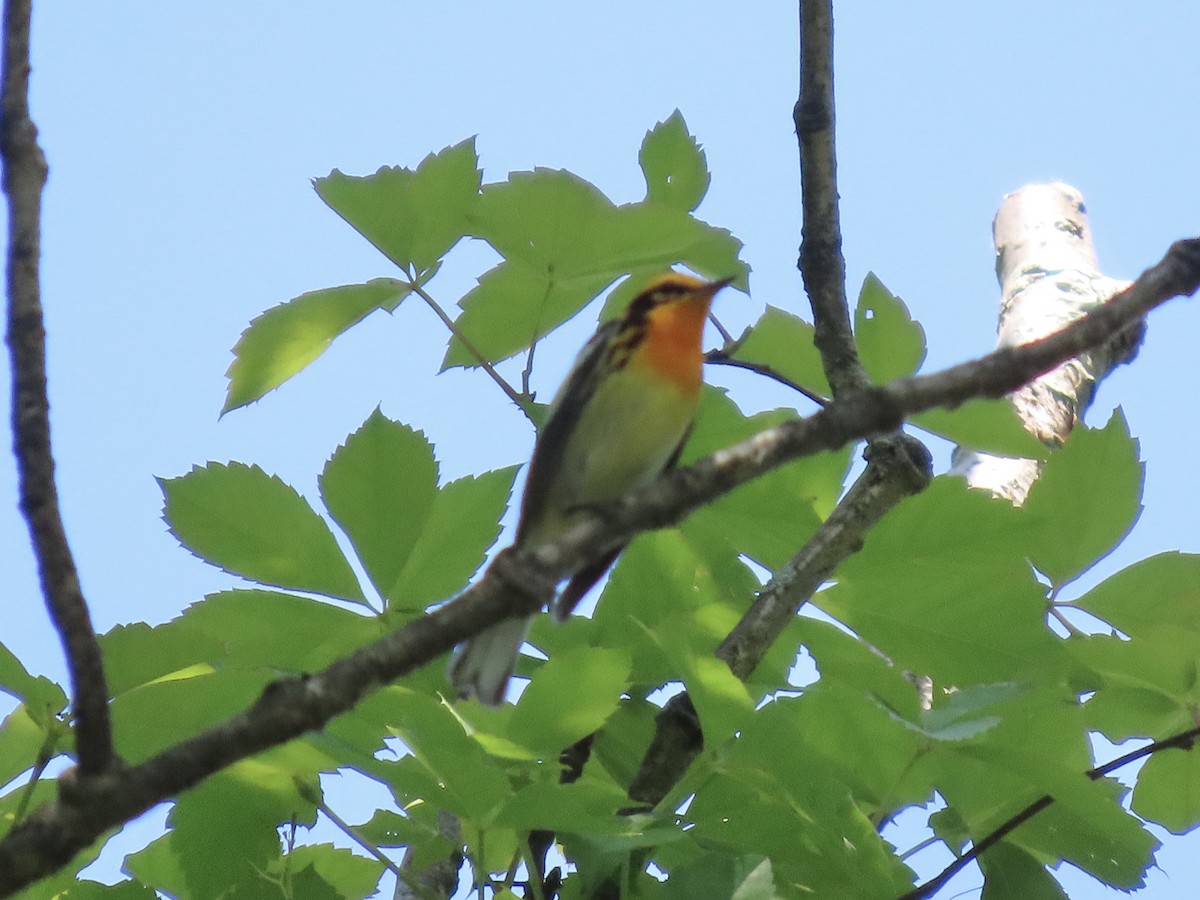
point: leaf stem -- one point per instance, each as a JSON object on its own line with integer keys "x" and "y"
{"x": 367, "y": 845}
{"x": 508, "y": 389}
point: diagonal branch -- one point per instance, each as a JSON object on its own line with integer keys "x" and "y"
{"x": 24, "y": 178}
{"x": 519, "y": 581}
{"x": 1183, "y": 741}
{"x": 821, "y": 262}
{"x": 898, "y": 466}
{"x": 521, "y": 401}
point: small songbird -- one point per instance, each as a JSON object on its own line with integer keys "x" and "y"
{"x": 618, "y": 421}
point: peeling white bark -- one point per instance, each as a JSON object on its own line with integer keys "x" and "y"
{"x": 1049, "y": 276}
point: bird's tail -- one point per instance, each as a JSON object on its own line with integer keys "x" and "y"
{"x": 481, "y": 667}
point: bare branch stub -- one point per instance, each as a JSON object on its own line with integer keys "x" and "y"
{"x": 24, "y": 178}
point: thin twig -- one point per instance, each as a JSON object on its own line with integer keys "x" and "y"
{"x": 35, "y": 775}
{"x": 509, "y": 390}
{"x": 518, "y": 582}
{"x": 1182, "y": 741}
{"x": 721, "y": 330}
{"x": 897, "y": 467}
{"x": 24, "y": 178}
{"x": 721, "y": 358}
{"x": 821, "y": 262}
{"x": 367, "y": 845}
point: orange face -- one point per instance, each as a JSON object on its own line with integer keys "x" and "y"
{"x": 672, "y": 347}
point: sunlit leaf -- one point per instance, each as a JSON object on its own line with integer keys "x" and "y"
{"x": 674, "y": 165}
{"x": 891, "y": 343}
{"x": 286, "y": 338}
{"x": 249, "y": 523}
{"x": 412, "y": 217}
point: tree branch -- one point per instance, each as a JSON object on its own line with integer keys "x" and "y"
{"x": 722, "y": 358}
{"x": 24, "y": 178}
{"x": 1182, "y": 741}
{"x": 519, "y": 582}
{"x": 1048, "y": 273}
{"x": 821, "y": 262}
{"x": 898, "y": 466}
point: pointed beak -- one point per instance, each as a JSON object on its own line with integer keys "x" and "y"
{"x": 713, "y": 286}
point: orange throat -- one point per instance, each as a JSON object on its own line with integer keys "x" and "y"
{"x": 672, "y": 347}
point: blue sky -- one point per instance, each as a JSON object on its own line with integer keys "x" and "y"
{"x": 182, "y": 138}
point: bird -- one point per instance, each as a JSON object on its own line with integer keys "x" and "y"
{"x": 619, "y": 420}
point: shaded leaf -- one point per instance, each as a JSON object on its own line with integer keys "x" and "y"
{"x": 1012, "y": 874}
{"x": 785, "y": 343}
{"x": 986, "y": 425}
{"x": 943, "y": 587}
{"x": 1162, "y": 591}
{"x": 1085, "y": 501}
{"x": 1168, "y": 790}
{"x": 350, "y": 876}
{"x": 570, "y": 697}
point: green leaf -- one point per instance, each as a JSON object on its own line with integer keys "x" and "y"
{"x": 1164, "y": 661}
{"x": 286, "y": 338}
{"x": 251, "y": 524}
{"x": 861, "y": 744}
{"x": 94, "y": 890}
{"x": 891, "y": 343}
{"x": 380, "y": 486}
{"x": 150, "y": 718}
{"x": 231, "y": 817}
{"x": 585, "y": 807}
{"x": 463, "y": 524}
{"x": 1168, "y": 790}
{"x": 464, "y": 781}
{"x": 764, "y": 799}
{"x": 157, "y": 865}
{"x": 137, "y": 653}
{"x": 41, "y": 695}
{"x": 418, "y": 543}
{"x": 391, "y": 829}
{"x": 736, "y": 877}
{"x": 674, "y": 165}
{"x": 943, "y": 587}
{"x": 670, "y": 599}
{"x": 1162, "y": 591}
{"x": 843, "y": 659}
{"x": 353, "y": 877}
{"x": 620, "y": 745}
{"x": 570, "y": 697}
{"x": 1121, "y": 713}
{"x": 967, "y": 711}
{"x": 1012, "y": 874}
{"x": 785, "y": 343}
{"x": 989, "y": 426}
{"x": 21, "y": 741}
{"x": 770, "y": 518}
{"x": 281, "y": 632}
{"x": 513, "y": 306}
{"x": 1085, "y": 501}
{"x": 563, "y": 241}
{"x": 412, "y": 217}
